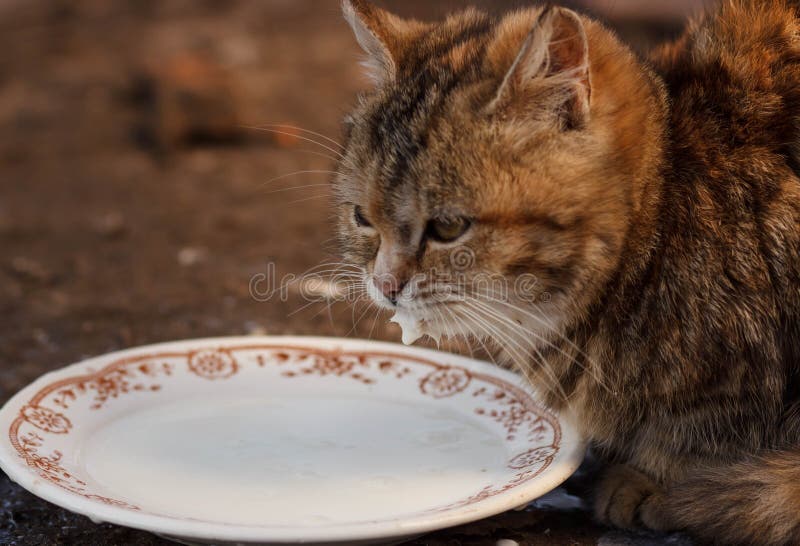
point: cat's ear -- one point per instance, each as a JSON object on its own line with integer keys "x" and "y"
{"x": 553, "y": 61}
{"x": 382, "y": 35}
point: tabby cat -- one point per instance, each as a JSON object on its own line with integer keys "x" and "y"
{"x": 655, "y": 201}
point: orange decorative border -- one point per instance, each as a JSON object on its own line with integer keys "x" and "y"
{"x": 514, "y": 410}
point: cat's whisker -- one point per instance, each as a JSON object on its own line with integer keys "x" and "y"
{"x": 327, "y": 276}
{"x": 328, "y": 240}
{"x": 308, "y": 199}
{"x": 295, "y": 188}
{"x": 449, "y": 331}
{"x": 589, "y": 369}
{"x": 522, "y": 364}
{"x": 467, "y": 331}
{"x": 352, "y": 315}
{"x": 480, "y": 321}
{"x": 548, "y": 343}
{"x": 518, "y": 354}
{"x": 331, "y": 287}
{"x": 337, "y": 153}
{"x": 517, "y": 334}
{"x": 330, "y": 301}
{"x": 463, "y": 330}
{"x": 296, "y": 173}
{"x": 333, "y": 279}
{"x": 307, "y": 131}
{"x": 355, "y": 291}
{"x": 374, "y": 321}
{"x": 319, "y": 154}
{"x": 441, "y": 324}
{"x": 301, "y": 309}
{"x": 340, "y": 265}
{"x": 358, "y": 292}
{"x": 361, "y": 317}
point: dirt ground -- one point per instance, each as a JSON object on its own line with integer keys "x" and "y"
{"x": 134, "y": 208}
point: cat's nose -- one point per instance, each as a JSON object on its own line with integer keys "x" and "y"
{"x": 390, "y": 287}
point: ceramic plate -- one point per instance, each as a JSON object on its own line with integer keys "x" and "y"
{"x": 284, "y": 440}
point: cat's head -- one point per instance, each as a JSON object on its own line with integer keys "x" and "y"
{"x": 491, "y": 175}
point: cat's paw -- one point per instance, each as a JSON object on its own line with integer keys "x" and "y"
{"x": 628, "y": 499}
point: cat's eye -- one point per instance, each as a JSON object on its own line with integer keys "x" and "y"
{"x": 361, "y": 220}
{"x": 448, "y": 230}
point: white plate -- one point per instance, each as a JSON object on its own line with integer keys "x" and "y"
{"x": 284, "y": 440}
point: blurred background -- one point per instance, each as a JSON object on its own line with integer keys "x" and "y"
{"x": 136, "y": 200}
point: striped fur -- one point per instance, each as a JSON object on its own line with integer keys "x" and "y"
{"x": 656, "y": 202}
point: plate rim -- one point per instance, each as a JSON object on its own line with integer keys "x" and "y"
{"x": 572, "y": 446}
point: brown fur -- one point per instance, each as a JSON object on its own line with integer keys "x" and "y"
{"x": 658, "y": 206}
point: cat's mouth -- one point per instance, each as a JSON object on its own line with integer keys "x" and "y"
{"x": 415, "y": 311}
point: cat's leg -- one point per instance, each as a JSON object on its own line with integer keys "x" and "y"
{"x": 628, "y": 499}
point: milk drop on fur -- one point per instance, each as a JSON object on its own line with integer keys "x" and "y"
{"x": 411, "y": 327}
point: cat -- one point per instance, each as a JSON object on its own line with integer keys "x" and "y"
{"x": 655, "y": 201}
